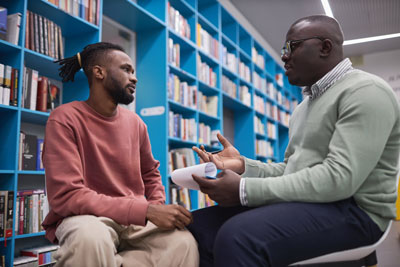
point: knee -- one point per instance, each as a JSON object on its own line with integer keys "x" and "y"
{"x": 185, "y": 240}
{"x": 93, "y": 236}
{"x": 230, "y": 235}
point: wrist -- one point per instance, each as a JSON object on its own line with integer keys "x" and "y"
{"x": 241, "y": 168}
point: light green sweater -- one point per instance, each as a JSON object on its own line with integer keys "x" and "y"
{"x": 344, "y": 143}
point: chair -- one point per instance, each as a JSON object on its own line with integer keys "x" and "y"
{"x": 363, "y": 256}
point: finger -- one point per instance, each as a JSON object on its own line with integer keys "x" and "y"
{"x": 218, "y": 163}
{"x": 202, "y": 181}
{"x": 224, "y": 142}
{"x": 187, "y": 214}
{"x": 203, "y": 155}
{"x": 178, "y": 224}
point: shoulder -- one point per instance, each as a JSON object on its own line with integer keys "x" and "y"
{"x": 131, "y": 116}
{"x": 363, "y": 88}
{"x": 65, "y": 111}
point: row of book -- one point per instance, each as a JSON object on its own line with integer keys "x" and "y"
{"x": 207, "y": 43}
{"x": 244, "y": 72}
{"x": 30, "y": 210}
{"x": 208, "y": 104}
{"x": 8, "y": 85}
{"x": 182, "y": 128}
{"x": 207, "y": 136}
{"x": 259, "y": 104}
{"x": 257, "y": 58}
{"x": 9, "y": 26}
{"x": 261, "y": 128}
{"x": 6, "y": 213}
{"x": 229, "y": 60}
{"x": 206, "y": 73}
{"x": 229, "y": 86}
{"x": 245, "y": 95}
{"x": 181, "y": 92}
{"x": 181, "y": 196}
{"x": 174, "y": 56}
{"x": 43, "y": 36}
{"x": 39, "y": 92}
{"x": 30, "y": 152}
{"x": 38, "y": 256}
{"x": 264, "y": 148}
{"x": 177, "y": 22}
{"x": 88, "y": 10}
{"x": 259, "y": 82}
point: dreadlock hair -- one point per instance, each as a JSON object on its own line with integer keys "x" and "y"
{"x": 90, "y": 55}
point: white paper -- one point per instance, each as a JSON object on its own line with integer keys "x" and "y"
{"x": 183, "y": 176}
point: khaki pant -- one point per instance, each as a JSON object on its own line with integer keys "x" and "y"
{"x": 91, "y": 241}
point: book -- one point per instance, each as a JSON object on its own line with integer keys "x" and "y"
{"x": 9, "y": 217}
{"x": 13, "y": 28}
{"x": 29, "y": 153}
{"x": 183, "y": 176}
{"x": 42, "y": 91}
{"x": 3, "y": 22}
{"x": 39, "y": 162}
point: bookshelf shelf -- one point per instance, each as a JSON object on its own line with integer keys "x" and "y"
{"x": 5, "y": 107}
{"x": 173, "y": 141}
{"x": 70, "y": 24}
{"x": 132, "y": 15}
{"x": 31, "y": 172}
{"x": 6, "y": 47}
{"x": 220, "y": 33}
{"x": 29, "y": 235}
{"x": 33, "y": 116}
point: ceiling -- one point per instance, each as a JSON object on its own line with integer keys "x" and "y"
{"x": 358, "y": 18}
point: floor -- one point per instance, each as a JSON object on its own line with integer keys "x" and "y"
{"x": 389, "y": 251}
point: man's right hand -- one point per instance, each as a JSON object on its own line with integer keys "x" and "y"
{"x": 228, "y": 158}
{"x": 169, "y": 217}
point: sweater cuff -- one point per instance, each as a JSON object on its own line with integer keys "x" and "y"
{"x": 138, "y": 211}
{"x": 258, "y": 195}
{"x": 251, "y": 168}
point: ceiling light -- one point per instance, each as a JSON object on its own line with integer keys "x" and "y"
{"x": 370, "y": 39}
{"x": 327, "y": 8}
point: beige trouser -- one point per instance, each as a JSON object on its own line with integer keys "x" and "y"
{"x": 91, "y": 241}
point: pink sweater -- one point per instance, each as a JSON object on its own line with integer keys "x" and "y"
{"x": 98, "y": 165}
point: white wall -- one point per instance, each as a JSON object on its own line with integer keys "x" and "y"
{"x": 384, "y": 64}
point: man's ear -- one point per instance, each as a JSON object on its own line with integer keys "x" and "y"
{"x": 326, "y": 48}
{"x": 98, "y": 72}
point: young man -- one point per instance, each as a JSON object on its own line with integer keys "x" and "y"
{"x": 103, "y": 184}
{"x": 335, "y": 189}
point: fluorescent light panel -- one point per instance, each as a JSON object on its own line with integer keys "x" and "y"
{"x": 327, "y": 8}
{"x": 370, "y": 39}
{"x": 328, "y": 12}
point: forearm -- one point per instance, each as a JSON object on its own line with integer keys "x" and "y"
{"x": 258, "y": 169}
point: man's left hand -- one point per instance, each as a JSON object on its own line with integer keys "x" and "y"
{"x": 224, "y": 190}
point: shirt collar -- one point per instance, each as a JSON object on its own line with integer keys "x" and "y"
{"x": 328, "y": 79}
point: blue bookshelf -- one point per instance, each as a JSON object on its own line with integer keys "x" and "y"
{"x": 153, "y": 26}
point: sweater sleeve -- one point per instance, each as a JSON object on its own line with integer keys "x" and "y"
{"x": 154, "y": 189}
{"x": 67, "y": 193}
{"x": 365, "y": 121}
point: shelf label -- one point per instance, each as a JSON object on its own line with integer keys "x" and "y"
{"x": 154, "y": 111}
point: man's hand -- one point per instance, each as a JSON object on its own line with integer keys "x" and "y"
{"x": 224, "y": 190}
{"x": 169, "y": 217}
{"x": 228, "y": 158}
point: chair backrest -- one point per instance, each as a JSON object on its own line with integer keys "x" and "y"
{"x": 351, "y": 254}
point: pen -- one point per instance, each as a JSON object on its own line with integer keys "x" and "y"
{"x": 215, "y": 152}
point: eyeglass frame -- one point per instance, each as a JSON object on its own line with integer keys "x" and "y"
{"x": 287, "y": 48}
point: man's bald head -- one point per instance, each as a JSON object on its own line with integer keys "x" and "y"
{"x": 321, "y": 25}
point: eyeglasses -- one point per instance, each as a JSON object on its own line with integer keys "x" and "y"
{"x": 288, "y": 48}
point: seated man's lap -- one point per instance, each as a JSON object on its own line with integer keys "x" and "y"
{"x": 284, "y": 232}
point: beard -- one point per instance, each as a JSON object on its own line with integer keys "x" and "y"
{"x": 119, "y": 93}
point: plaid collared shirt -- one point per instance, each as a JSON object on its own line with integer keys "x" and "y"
{"x": 328, "y": 80}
